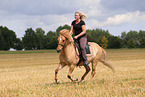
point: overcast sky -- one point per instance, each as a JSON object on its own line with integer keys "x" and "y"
{"x": 116, "y": 16}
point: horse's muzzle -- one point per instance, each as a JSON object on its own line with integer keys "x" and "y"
{"x": 58, "y": 51}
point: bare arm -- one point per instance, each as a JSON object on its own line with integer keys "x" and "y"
{"x": 71, "y": 30}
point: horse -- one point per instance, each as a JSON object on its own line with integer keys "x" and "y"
{"x": 69, "y": 57}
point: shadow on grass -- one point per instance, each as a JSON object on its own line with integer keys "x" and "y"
{"x": 86, "y": 82}
{"x": 65, "y": 83}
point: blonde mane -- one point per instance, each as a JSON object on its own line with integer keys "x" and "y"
{"x": 66, "y": 34}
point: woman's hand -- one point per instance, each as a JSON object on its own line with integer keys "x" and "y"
{"x": 75, "y": 37}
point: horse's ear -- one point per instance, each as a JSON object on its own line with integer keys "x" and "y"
{"x": 66, "y": 34}
{"x": 60, "y": 31}
{"x": 64, "y": 31}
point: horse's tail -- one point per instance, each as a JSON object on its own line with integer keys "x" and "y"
{"x": 103, "y": 59}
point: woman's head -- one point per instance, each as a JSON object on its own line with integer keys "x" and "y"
{"x": 80, "y": 15}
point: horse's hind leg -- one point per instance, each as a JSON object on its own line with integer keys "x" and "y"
{"x": 60, "y": 66}
{"x": 87, "y": 71}
{"x": 94, "y": 64}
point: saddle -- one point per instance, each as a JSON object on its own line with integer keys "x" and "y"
{"x": 87, "y": 48}
{"x": 78, "y": 50}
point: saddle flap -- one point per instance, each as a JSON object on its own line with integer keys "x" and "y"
{"x": 87, "y": 48}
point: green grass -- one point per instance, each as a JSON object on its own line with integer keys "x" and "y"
{"x": 31, "y": 74}
{"x": 27, "y": 52}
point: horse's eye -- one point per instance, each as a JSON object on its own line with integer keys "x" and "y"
{"x": 63, "y": 40}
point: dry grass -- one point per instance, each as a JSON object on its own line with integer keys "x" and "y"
{"x": 32, "y": 75}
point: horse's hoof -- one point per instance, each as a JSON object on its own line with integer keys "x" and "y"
{"x": 76, "y": 79}
{"x": 81, "y": 81}
{"x": 56, "y": 81}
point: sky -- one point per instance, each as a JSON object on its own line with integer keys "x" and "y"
{"x": 116, "y": 16}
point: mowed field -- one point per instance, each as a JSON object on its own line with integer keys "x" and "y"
{"x": 31, "y": 74}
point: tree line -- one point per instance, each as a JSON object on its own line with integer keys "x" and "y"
{"x": 37, "y": 39}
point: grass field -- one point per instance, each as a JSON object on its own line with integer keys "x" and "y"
{"x": 31, "y": 74}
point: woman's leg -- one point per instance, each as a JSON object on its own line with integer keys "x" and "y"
{"x": 82, "y": 42}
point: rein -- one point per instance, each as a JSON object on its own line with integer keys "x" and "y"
{"x": 63, "y": 46}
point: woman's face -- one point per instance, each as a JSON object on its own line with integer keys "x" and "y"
{"x": 77, "y": 16}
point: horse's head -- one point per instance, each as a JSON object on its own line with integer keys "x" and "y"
{"x": 61, "y": 43}
{"x": 64, "y": 39}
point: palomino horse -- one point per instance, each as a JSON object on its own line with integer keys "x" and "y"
{"x": 68, "y": 56}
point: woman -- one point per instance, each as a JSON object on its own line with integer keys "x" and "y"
{"x": 79, "y": 28}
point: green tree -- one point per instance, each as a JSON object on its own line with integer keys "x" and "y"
{"x": 131, "y": 43}
{"x": 104, "y": 42}
{"x": 40, "y": 38}
{"x": 18, "y": 44}
{"x": 1, "y": 41}
{"x": 96, "y": 35}
{"x": 124, "y": 39}
{"x": 51, "y": 40}
{"x": 89, "y": 36}
{"x": 141, "y": 38}
{"x": 114, "y": 42}
{"x": 132, "y": 38}
{"x": 53, "y": 43}
{"x": 142, "y": 42}
{"x": 29, "y": 39}
{"x": 8, "y": 38}
{"x": 141, "y": 34}
{"x": 62, "y": 27}
{"x": 40, "y": 31}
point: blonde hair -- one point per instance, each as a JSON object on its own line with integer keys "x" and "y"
{"x": 82, "y": 15}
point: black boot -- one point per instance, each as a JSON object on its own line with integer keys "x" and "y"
{"x": 86, "y": 64}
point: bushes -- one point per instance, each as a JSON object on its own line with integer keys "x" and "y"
{"x": 38, "y": 40}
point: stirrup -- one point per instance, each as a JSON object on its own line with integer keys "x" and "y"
{"x": 86, "y": 64}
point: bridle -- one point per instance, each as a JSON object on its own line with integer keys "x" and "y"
{"x": 63, "y": 46}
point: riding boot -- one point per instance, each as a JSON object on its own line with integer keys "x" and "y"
{"x": 86, "y": 63}
{"x": 87, "y": 67}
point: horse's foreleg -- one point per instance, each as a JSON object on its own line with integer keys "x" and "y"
{"x": 71, "y": 69}
{"x": 87, "y": 71}
{"x": 60, "y": 66}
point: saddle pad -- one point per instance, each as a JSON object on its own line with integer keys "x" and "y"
{"x": 87, "y": 48}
